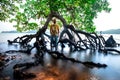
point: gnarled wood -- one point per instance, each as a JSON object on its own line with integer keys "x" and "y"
{"x": 93, "y": 41}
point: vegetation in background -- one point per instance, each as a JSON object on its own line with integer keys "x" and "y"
{"x": 31, "y": 14}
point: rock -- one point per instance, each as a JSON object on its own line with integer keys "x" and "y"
{"x": 7, "y": 78}
{"x": 1, "y": 63}
{"x": 110, "y": 42}
{"x": 27, "y": 75}
{"x": 19, "y": 74}
{"x": 13, "y": 57}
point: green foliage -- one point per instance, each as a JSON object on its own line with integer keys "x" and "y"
{"x": 80, "y": 13}
{"x": 7, "y": 8}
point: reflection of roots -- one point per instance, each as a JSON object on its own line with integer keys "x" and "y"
{"x": 55, "y": 73}
{"x": 57, "y": 55}
{"x": 47, "y": 76}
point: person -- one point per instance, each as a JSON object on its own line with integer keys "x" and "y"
{"x": 54, "y": 31}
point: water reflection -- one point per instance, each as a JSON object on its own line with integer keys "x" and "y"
{"x": 54, "y": 69}
{"x": 66, "y": 70}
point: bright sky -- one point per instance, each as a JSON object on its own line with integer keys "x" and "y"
{"x": 104, "y": 21}
{"x": 6, "y": 26}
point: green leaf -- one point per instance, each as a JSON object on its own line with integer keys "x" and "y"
{"x": 77, "y": 12}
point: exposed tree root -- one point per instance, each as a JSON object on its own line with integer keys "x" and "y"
{"x": 93, "y": 41}
{"x": 23, "y": 41}
{"x": 57, "y": 55}
{"x": 68, "y": 35}
{"x": 14, "y": 51}
{"x": 109, "y": 50}
{"x": 62, "y": 41}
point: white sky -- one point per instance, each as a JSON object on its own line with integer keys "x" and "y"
{"x": 104, "y": 21}
{"x": 6, "y": 26}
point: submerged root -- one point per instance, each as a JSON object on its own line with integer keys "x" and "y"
{"x": 58, "y": 55}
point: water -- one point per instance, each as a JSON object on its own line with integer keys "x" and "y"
{"x": 62, "y": 69}
{"x": 115, "y": 36}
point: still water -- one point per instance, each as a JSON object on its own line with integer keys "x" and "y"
{"x": 65, "y": 70}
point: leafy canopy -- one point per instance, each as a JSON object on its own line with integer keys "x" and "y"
{"x": 30, "y": 14}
